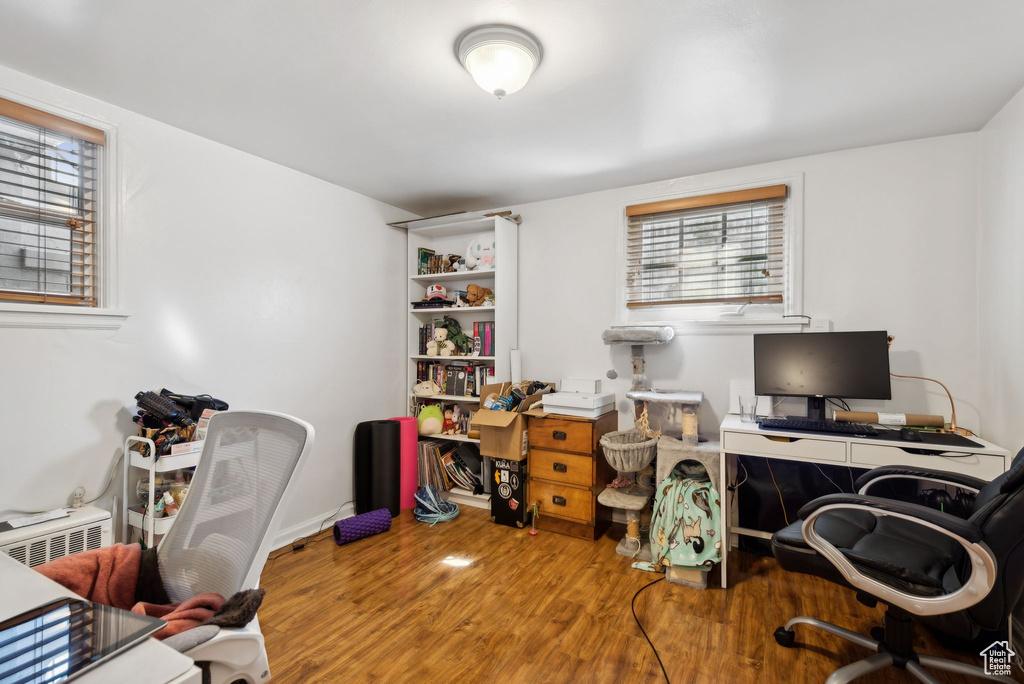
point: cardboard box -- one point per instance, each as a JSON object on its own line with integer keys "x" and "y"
{"x": 508, "y": 493}
{"x": 502, "y": 433}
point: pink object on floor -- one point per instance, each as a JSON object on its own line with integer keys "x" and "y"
{"x": 407, "y": 475}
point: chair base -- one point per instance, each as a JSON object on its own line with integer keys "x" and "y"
{"x": 893, "y": 651}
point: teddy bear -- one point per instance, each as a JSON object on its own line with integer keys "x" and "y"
{"x": 475, "y": 294}
{"x": 480, "y": 254}
{"x": 440, "y": 345}
{"x": 429, "y": 420}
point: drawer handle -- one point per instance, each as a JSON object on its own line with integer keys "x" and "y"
{"x": 560, "y": 467}
{"x": 558, "y": 500}
{"x": 558, "y": 434}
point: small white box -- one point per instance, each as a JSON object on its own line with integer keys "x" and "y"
{"x": 581, "y": 405}
{"x": 581, "y": 386}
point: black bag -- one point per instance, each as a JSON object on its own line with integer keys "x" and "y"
{"x": 195, "y": 404}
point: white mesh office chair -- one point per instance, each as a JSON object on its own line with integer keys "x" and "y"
{"x": 227, "y": 523}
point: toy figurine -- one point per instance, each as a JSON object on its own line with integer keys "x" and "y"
{"x": 448, "y": 427}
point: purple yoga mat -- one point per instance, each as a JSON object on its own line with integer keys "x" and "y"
{"x": 363, "y": 525}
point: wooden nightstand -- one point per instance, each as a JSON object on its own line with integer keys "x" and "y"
{"x": 567, "y": 472}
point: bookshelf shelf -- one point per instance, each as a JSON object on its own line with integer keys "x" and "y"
{"x": 424, "y": 357}
{"x": 464, "y": 497}
{"x": 454, "y": 235}
{"x": 448, "y": 397}
{"x": 452, "y": 309}
{"x": 456, "y": 438}
{"x": 458, "y": 275}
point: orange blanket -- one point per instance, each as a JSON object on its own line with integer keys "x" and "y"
{"x": 109, "y": 576}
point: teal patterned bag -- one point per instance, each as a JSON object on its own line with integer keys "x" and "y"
{"x": 686, "y": 525}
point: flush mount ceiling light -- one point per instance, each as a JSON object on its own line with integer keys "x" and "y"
{"x": 500, "y": 59}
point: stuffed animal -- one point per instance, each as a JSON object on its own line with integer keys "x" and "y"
{"x": 453, "y": 263}
{"x": 480, "y": 255}
{"x": 427, "y": 388}
{"x": 457, "y": 419}
{"x": 440, "y": 345}
{"x": 429, "y": 420}
{"x": 475, "y": 294}
{"x": 448, "y": 426}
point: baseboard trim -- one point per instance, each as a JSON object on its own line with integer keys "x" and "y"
{"x": 307, "y": 527}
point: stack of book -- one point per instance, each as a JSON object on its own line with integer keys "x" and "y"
{"x": 456, "y": 378}
{"x": 483, "y": 337}
{"x": 440, "y": 465}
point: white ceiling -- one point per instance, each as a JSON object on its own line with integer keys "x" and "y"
{"x": 368, "y": 94}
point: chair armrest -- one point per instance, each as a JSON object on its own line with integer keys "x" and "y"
{"x": 968, "y": 535}
{"x": 950, "y": 524}
{"x": 869, "y": 478}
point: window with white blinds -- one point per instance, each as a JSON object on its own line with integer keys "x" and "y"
{"x": 723, "y": 248}
{"x": 49, "y": 207}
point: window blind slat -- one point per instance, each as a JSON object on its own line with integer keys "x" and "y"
{"x": 700, "y": 252}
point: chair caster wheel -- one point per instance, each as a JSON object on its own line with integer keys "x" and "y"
{"x": 878, "y": 633}
{"x": 784, "y": 637}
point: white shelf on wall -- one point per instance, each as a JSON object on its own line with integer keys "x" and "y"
{"x": 453, "y": 309}
{"x": 457, "y": 275}
{"x": 455, "y": 438}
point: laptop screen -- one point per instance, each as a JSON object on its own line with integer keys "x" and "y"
{"x": 62, "y": 639}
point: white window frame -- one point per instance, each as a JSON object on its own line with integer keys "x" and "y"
{"x": 721, "y": 317}
{"x": 107, "y": 314}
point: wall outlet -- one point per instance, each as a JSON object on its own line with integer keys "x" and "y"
{"x": 820, "y": 325}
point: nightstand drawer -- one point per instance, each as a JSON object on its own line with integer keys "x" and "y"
{"x": 562, "y": 435}
{"x": 561, "y": 467}
{"x": 562, "y": 501}
{"x": 784, "y": 447}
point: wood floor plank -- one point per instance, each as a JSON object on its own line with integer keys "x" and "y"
{"x": 470, "y": 601}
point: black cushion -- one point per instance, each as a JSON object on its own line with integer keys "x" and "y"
{"x": 893, "y": 550}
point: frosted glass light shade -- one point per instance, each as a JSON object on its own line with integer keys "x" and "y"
{"x": 500, "y": 59}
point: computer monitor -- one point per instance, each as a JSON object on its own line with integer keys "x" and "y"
{"x": 850, "y": 365}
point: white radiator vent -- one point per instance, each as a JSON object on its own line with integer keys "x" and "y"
{"x": 84, "y": 529}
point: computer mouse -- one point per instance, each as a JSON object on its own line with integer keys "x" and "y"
{"x": 908, "y": 435}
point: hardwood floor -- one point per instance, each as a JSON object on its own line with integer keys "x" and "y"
{"x": 469, "y": 601}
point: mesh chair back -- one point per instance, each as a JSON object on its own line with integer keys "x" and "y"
{"x": 223, "y": 531}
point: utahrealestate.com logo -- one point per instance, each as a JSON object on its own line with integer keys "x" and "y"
{"x": 998, "y": 658}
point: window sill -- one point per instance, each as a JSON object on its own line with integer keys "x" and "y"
{"x": 728, "y": 326}
{"x": 55, "y": 316}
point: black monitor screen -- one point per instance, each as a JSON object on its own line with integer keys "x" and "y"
{"x": 854, "y": 365}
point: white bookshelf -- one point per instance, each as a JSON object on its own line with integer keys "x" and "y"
{"x": 452, "y": 235}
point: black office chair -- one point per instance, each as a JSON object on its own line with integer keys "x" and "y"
{"x": 960, "y": 576}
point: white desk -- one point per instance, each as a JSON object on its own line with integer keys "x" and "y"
{"x": 22, "y": 588}
{"x": 746, "y": 439}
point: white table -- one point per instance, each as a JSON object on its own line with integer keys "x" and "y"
{"x": 22, "y": 588}
{"x": 747, "y": 439}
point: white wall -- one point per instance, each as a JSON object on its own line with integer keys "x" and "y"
{"x": 889, "y": 243}
{"x": 1000, "y": 273}
{"x": 253, "y": 282}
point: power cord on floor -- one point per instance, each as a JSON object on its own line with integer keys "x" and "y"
{"x": 303, "y": 542}
{"x": 632, "y": 606}
{"x": 772, "y": 473}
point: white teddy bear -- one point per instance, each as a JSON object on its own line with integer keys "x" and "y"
{"x": 440, "y": 345}
{"x": 480, "y": 255}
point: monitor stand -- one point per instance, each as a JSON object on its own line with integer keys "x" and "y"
{"x": 816, "y": 408}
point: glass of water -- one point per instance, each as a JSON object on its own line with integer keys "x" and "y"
{"x": 748, "y": 409}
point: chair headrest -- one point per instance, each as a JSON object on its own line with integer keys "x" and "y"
{"x": 1014, "y": 477}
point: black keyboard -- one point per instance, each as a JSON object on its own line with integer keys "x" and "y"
{"x": 809, "y": 425}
